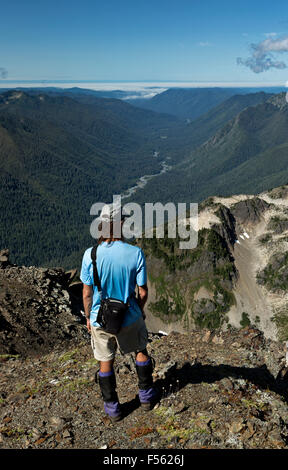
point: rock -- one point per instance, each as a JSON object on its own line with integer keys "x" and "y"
{"x": 179, "y": 407}
{"x": 234, "y": 442}
{"x": 7, "y": 419}
{"x": 275, "y": 438}
{"x": 204, "y": 306}
{"x": 206, "y": 337}
{"x": 250, "y": 431}
{"x": 38, "y": 297}
{"x": 236, "y": 427}
{"x": 56, "y": 422}
{"x": 167, "y": 370}
{"x": 36, "y": 433}
{"x": 70, "y": 275}
{"x": 212, "y": 400}
{"x": 227, "y": 384}
{"x": 217, "y": 340}
{"x": 4, "y": 258}
{"x": 250, "y": 210}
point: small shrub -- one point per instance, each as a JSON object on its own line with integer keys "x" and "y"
{"x": 245, "y": 320}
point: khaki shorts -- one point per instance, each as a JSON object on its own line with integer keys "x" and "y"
{"x": 132, "y": 338}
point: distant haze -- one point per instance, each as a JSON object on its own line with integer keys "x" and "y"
{"x": 143, "y": 89}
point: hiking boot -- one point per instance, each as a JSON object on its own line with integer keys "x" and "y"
{"x": 112, "y": 409}
{"x": 115, "y": 419}
{"x": 146, "y": 406}
{"x": 148, "y": 398}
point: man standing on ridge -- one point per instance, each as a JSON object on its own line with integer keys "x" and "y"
{"x": 118, "y": 268}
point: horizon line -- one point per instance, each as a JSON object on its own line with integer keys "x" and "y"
{"x": 193, "y": 83}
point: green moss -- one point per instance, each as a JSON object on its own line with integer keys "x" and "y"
{"x": 9, "y": 356}
{"x": 172, "y": 425}
{"x": 254, "y": 404}
{"x": 75, "y": 385}
{"x": 12, "y": 432}
{"x": 68, "y": 356}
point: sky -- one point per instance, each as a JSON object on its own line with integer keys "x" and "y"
{"x": 184, "y": 40}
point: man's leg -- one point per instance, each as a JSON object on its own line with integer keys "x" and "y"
{"x": 106, "y": 366}
{"x": 104, "y": 346}
{"x": 144, "y": 368}
{"x": 107, "y": 382}
{"x": 142, "y": 356}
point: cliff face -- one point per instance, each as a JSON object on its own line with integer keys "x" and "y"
{"x": 236, "y": 276}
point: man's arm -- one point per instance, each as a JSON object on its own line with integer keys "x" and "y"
{"x": 87, "y": 302}
{"x": 142, "y": 297}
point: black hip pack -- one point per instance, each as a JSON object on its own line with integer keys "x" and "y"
{"x": 112, "y": 311}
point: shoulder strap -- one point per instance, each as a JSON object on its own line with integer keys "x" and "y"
{"x": 96, "y": 279}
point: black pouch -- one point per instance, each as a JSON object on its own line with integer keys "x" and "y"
{"x": 111, "y": 315}
{"x": 112, "y": 311}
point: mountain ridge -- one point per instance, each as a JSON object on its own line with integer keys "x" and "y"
{"x": 217, "y": 164}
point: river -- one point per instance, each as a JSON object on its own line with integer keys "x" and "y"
{"x": 143, "y": 180}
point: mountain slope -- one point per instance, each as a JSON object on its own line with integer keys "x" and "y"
{"x": 57, "y": 158}
{"x": 209, "y": 123}
{"x": 185, "y": 102}
{"x": 237, "y": 274}
{"x": 251, "y": 145}
{"x": 191, "y": 103}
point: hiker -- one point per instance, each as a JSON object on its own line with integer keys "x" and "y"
{"x": 110, "y": 273}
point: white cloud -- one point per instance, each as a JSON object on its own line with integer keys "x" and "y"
{"x": 262, "y": 57}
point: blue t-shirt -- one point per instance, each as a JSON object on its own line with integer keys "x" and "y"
{"x": 120, "y": 267}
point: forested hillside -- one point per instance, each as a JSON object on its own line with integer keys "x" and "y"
{"x": 59, "y": 155}
{"x": 57, "y": 158}
{"x": 248, "y": 154}
{"x": 191, "y": 103}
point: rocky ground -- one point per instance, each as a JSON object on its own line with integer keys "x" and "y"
{"x": 219, "y": 390}
{"x": 40, "y": 308}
